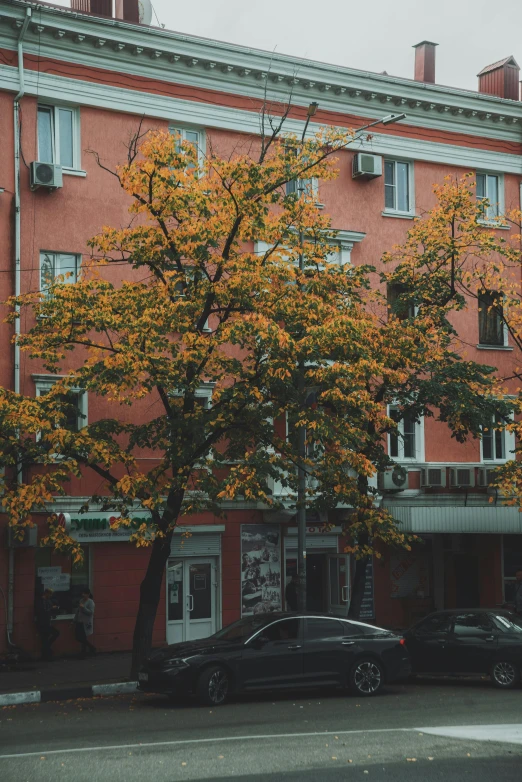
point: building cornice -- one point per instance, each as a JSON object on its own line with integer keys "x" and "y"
{"x": 169, "y": 56}
{"x": 176, "y": 111}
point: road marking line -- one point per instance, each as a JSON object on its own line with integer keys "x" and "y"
{"x": 204, "y": 741}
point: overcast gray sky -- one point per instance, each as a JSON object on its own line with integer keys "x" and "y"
{"x": 373, "y": 35}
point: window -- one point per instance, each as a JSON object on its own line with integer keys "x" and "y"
{"x": 493, "y": 443}
{"x": 491, "y": 319}
{"x": 287, "y": 630}
{"x": 512, "y": 563}
{"x": 398, "y": 186}
{"x": 398, "y": 304}
{"x": 241, "y": 630}
{"x": 488, "y": 190}
{"x": 309, "y": 187}
{"x": 402, "y": 442}
{"x": 53, "y": 265}
{"x": 438, "y": 623}
{"x": 473, "y": 624}
{"x": 508, "y": 623}
{"x": 74, "y": 403}
{"x": 191, "y": 136}
{"x": 57, "y": 572}
{"x": 317, "y": 629}
{"x": 59, "y": 136}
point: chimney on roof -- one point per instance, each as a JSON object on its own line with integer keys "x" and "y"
{"x": 134, "y": 11}
{"x": 501, "y": 79}
{"x": 425, "y": 61}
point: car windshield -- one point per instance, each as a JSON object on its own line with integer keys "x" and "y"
{"x": 508, "y": 622}
{"x": 240, "y": 630}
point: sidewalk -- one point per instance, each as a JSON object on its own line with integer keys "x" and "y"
{"x": 66, "y": 677}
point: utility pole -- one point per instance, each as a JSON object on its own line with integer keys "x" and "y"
{"x": 301, "y": 433}
{"x": 301, "y": 391}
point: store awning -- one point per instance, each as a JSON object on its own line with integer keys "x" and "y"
{"x": 489, "y": 519}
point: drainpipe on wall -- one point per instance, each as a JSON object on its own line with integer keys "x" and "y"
{"x": 17, "y": 254}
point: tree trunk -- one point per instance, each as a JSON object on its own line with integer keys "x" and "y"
{"x": 359, "y": 580}
{"x": 150, "y": 595}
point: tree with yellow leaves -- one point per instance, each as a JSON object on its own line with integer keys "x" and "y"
{"x": 213, "y": 297}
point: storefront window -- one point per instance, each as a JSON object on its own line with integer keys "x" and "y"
{"x": 512, "y": 564}
{"x": 57, "y": 572}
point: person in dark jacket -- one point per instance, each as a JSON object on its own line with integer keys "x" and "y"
{"x": 291, "y": 593}
{"x": 45, "y": 611}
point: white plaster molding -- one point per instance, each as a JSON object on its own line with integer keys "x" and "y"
{"x": 204, "y": 115}
{"x": 169, "y": 56}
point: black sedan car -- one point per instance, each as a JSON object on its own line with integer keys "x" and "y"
{"x": 278, "y": 651}
{"x": 475, "y": 641}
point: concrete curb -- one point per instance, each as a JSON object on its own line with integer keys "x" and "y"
{"x": 69, "y": 693}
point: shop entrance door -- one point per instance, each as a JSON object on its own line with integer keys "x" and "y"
{"x": 191, "y": 599}
{"x": 338, "y": 584}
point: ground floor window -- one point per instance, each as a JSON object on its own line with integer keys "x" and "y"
{"x": 512, "y": 545}
{"x": 67, "y": 580}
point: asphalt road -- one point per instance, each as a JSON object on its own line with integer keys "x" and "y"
{"x": 477, "y": 733}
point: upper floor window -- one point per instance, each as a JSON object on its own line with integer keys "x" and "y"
{"x": 59, "y": 136}
{"x": 492, "y": 330}
{"x": 405, "y": 442}
{"x": 308, "y": 187}
{"x": 493, "y": 443}
{"x": 489, "y": 190}
{"x": 52, "y": 265}
{"x": 398, "y": 304}
{"x": 398, "y": 186}
{"x": 191, "y": 136}
{"x": 73, "y": 403}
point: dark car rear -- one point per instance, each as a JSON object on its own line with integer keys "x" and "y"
{"x": 279, "y": 651}
{"x": 469, "y": 641}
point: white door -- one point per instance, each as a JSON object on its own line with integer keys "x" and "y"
{"x": 191, "y": 599}
{"x": 338, "y": 584}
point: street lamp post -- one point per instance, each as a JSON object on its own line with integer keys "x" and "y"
{"x": 301, "y": 389}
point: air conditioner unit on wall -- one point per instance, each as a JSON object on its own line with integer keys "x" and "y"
{"x": 366, "y": 166}
{"x": 30, "y": 538}
{"x": 46, "y": 175}
{"x": 462, "y": 477}
{"x": 393, "y": 479}
{"x": 433, "y": 477}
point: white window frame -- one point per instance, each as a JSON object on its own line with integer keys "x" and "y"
{"x": 419, "y": 441}
{"x": 183, "y": 130}
{"x": 342, "y": 245}
{"x": 311, "y": 184}
{"x": 508, "y": 444}
{"x": 57, "y": 256}
{"x": 410, "y": 212}
{"x": 500, "y": 204}
{"x": 76, "y": 168}
{"x": 44, "y": 383}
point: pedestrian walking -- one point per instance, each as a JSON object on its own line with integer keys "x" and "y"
{"x": 84, "y": 622}
{"x": 518, "y": 593}
{"x": 45, "y": 611}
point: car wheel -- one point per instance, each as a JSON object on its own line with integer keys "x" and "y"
{"x": 505, "y": 674}
{"x": 213, "y": 686}
{"x": 366, "y": 677}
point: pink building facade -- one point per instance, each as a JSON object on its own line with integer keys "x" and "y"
{"x": 74, "y": 83}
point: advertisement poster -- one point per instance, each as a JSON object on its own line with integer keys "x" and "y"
{"x": 410, "y": 575}
{"x": 367, "y": 605}
{"x": 260, "y": 569}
